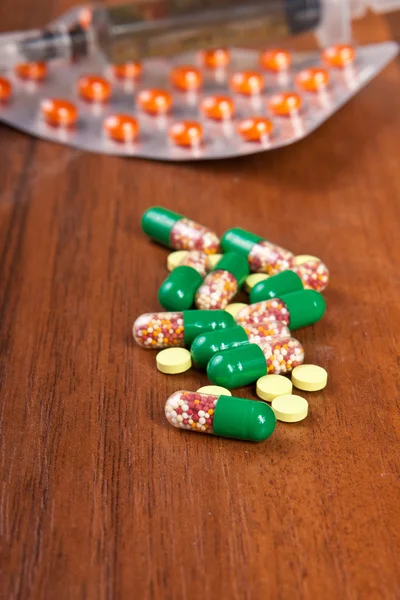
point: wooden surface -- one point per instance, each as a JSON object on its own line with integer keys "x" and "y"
{"x": 100, "y": 497}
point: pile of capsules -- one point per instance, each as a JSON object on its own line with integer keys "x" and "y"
{"x": 238, "y": 344}
{"x": 207, "y": 105}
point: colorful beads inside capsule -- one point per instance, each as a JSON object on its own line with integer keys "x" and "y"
{"x": 35, "y": 71}
{"x": 216, "y": 291}
{"x": 191, "y": 410}
{"x": 198, "y": 260}
{"x": 282, "y": 355}
{"x": 129, "y": 70}
{"x": 59, "y": 113}
{"x": 94, "y": 88}
{"x": 275, "y": 59}
{"x": 285, "y": 104}
{"x": 121, "y": 128}
{"x": 188, "y": 235}
{"x": 159, "y": 330}
{"x": 218, "y": 108}
{"x": 186, "y": 78}
{"x": 216, "y": 58}
{"x": 313, "y": 79}
{"x": 155, "y": 102}
{"x": 5, "y": 89}
{"x": 257, "y": 332}
{"x": 247, "y": 83}
{"x": 273, "y": 309}
{"x": 339, "y": 56}
{"x": 314, "y": 274}
{"x": 188, "y": 134}
{"x": 269, "y": 258}
{"x": 255, "y": 129}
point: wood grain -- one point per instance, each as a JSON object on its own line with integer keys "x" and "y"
{"x": 100, "y": 497}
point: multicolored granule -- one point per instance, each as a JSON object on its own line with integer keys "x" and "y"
{"x": 282, "y": 355}
{"x": 314, "y": 274}
{"x": 191, "y": 410}
{"x": 258, "y": 332}
{"x": 273, "y": 309}
{"x": 159, "y": 330}
{"x": 269, "y": 258}
{"x": 198, "y": 260}
{"x": 188, "y": 235}
{"x": 217, "y": 290}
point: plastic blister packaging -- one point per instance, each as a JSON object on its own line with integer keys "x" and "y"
{"x": 123, "y": 117}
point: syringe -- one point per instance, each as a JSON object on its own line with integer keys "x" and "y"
{"x": 148, "y": 28}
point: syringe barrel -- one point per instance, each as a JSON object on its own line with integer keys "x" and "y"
{"x": 165, "y": 27}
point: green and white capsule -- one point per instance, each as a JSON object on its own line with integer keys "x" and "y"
{"x": 207, "y": 344}
{"x": 222, "y": 282}
{"x": 225, "y": 416}
{"x": 175, "y": 231}
{"x": 312, "y": 274}
{"x": 246, "y": 363}
{"x": 297, "y": 309}
{"x": 177, "y": 329}
{"x": 263, "y": 256}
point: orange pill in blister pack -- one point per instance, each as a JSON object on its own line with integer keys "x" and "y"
{"x": 255, "y": 129}
{"x": 130, "y": 70}
{"x": 339, "y": 56}
{"x": 155, "y": 102}
{"x": 5, "y": 89}
{"x": 275, "y": 59}
{"x": 85, "y": 18}
{"x": 218, "y": 107}
{"x": 247, "y": 82}
{"x": 58, "y": 112}
{"x": 186, "y": 133}
{"x": 216, "y": 58}
{"x": 285, "y": 104}
{"x": 186, "y": 78}
{"x": 36, "y": 71}
{"x": 313, "y": 79}
{"x": 121, "y": 128}
{"x": 94, "y": 88}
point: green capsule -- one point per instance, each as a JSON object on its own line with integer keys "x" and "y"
{"x": 177, "y": 292}
{"x": 234, "y": 263}
{"x": 243, "y": 419}
{"x": 297, "y": 309}
{"x": 305, "y": 307}
{"x": 157, "y": 223}
{"x": 226, "y": 416}
{"x": 275, "y": 286}
{"x": 237, "y": 366}
{"x": 178, "y": 232}
{"x": 248, "y": 362}
{"x": 199, "y": 321}
{"x": 239, "y": 240}
{"x": 207, "y": 344}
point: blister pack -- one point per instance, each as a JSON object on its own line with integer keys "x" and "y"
{"x": 206, "y": 105}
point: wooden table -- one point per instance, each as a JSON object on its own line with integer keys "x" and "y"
{"x": 101, "y": 498}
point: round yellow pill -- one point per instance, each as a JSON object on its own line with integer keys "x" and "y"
{"x": 214, "y": 390}
{"x": 213, "y": 259}
{"x": 290, "y": 408}
{"x": 234, "y": 308}
{"x": 271, "y": 386}
{"x": 310, "y": 378}
{"x": 175, "y": 258}
{"x": 302, "y": 258}
{"x": 253, "y": 279}
{"x": 174, "y": 360}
